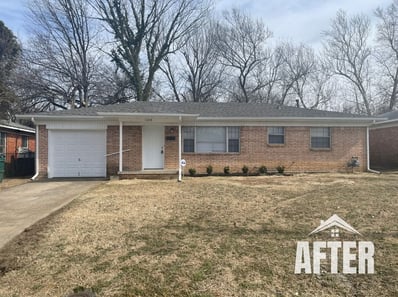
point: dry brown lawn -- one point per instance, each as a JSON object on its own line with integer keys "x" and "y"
{"x": 208, "y": 236}
{"x": 12, "y": 182}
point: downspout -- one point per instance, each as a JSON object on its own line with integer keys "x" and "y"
{"x": 367, "y": 153}
{"x": 36, "y": 153}
{"x": 179, "y": 151}
{"x": 120, "y": 146}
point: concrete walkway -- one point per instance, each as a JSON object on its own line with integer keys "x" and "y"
{"x": 23, "y": 205}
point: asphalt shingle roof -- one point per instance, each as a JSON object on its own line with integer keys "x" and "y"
{"x": 392, "y": 115}
{"x": 213, "y": 110}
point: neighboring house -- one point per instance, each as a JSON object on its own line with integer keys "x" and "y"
{"x": 148, "y": 136}
{"x": 17, "y": 142}
{"x": 384, "y": 142}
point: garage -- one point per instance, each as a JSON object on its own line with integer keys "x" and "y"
{"x": 76, "y": 153}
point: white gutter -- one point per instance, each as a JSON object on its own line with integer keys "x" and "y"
{"x": 17, "y": 129}
{"x": 339, "y": 119}
{"x": 36, "y": 153}
{"x": 367, "y": 153}
{"x": 60, "y": 117}
{"x": 387, "y": 121}
{"x": 145, "y": 114}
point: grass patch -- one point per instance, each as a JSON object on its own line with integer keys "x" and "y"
{"x": 204, "y": 237}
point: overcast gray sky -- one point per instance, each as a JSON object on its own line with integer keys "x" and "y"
{"x": 295, "y": 20}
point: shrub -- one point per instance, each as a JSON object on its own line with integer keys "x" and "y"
{"x": 209, "y": 170}
{"x": 226, "y": 170}
{"x": 280, "y": 169}
{"x": 192, "y": 171}
{"x": 245, "y": 169}
{"x": 262, "y": 169}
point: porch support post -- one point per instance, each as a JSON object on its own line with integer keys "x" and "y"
{"x": 120, "y": 146}
{"x": 179, "y": 151}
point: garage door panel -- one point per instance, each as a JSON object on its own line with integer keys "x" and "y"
{"x": 79, "y": 153}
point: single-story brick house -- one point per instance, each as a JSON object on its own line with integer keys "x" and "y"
{"x": 17, "y": 142}
{"x": 383, "y": 139}
{"x": 148, "y": 136}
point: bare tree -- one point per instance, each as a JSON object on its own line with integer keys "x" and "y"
{"x": 348, "y": 53}
{"x": 241, "y": 43}
{"x": 309, "y": 78}
{"x": 195, "y": 74}
{"x": 170, "y": 85}
{"x": 61, "y": 60}
{"x": 322, "y": 88}
{"x": 298, "y": 63}
{"x": 387, "y": 52}
{"x": 203, "y": 72}
{"x": 270, "y": 73}
{"x": 9, "y": 53}
{"x": 146, "y": 32}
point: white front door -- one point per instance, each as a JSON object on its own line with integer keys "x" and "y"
{"x": 153, "y": 147}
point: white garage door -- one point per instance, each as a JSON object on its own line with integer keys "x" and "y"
{"x": 76, "y": 153}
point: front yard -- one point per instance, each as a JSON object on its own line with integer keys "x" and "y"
{"x": 209, "y": 236}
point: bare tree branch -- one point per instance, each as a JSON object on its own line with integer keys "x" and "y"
{"x": 241, "y": 45}
{"x": 61, "y": 61}
{"x": 387, "y": 52}
{"x": 146, "y": 32}
{"x": 348, "y": 53}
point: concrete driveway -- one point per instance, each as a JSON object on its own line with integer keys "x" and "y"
{"x": 23, "y": 205}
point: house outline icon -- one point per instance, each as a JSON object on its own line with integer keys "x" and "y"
{"x": 334, "y": 222}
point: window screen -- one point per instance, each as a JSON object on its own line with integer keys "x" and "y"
{"x": 233, "y": 139}
{"x": 320, "y": 137}
{"x": 276, "y": 135}
{"x": 188, "y": 135}
{"x": 211, "y": 139}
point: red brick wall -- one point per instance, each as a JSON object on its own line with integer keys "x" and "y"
{"x": 11, "y": 145}
{"x": 383, "y": 147}
{"x": 132, "y": 139}
{"x": 43, "y": 150}
{"x": 296, "y": 155}
{"x": 171, "y": 147}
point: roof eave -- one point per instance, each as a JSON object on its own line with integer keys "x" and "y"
{"x": 18, "y": 129}
{"x": 386, "y": 121}
{"x": 298, "y": 119}
{"x": 197, "y": 117}
{"x": 385, "y": 124}
{"x": 143, "y": 114}
{"x": 34, "y": 117}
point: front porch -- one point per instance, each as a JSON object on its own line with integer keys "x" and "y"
{"x": 149, "y": 174}
{"x": 145, "y": 147}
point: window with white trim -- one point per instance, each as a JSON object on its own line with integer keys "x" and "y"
{"x": 188, "y": 136}
{"x": 25, "y": 140}
{"x": 211, "y": 139}
{"x": 2, "y": 143}
{"x": 320, "y": 138}
{"x": 276, "y": 135}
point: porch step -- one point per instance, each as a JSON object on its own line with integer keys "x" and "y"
{"x": 149, "y": 174}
